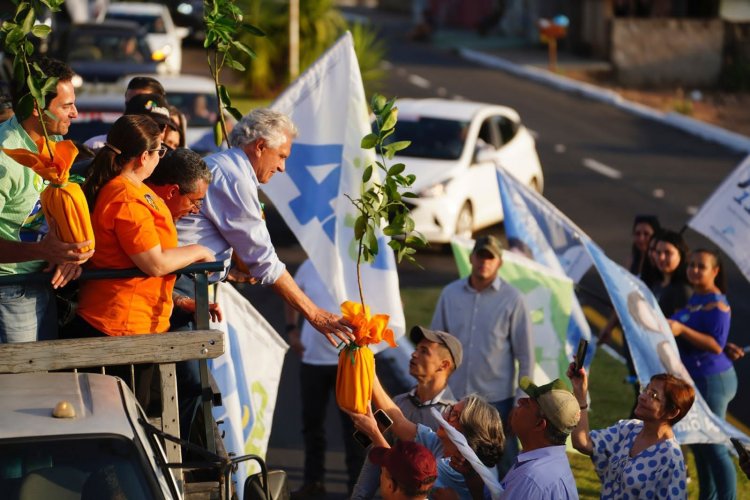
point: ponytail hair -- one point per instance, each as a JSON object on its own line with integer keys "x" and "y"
{"x": 128, "y": 138}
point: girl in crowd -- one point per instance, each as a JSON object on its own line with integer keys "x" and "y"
{"x": 635, "y": 457}
{"x": 672, "y": 291}
{"x": 645, "y": 227}
{"x": 473, "y": 417}
{"x": 701, "y": 329}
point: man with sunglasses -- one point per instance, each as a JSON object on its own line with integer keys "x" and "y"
{"x": 436, "y": 356}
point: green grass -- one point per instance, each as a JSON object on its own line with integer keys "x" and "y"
{"x": 611, "y": 399}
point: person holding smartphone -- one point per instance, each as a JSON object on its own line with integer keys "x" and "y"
{"x": 436, "y": 356}
{"x": 478, "y": 421}
{"x": 641, "y": 455}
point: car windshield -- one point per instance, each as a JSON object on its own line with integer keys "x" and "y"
{"x": 113, "y": 46}
{"x": 153, "y": 24}
{"x": 86, "y": 467}
{"x": 433, "y": 138}
{"x": 199, "y": 109}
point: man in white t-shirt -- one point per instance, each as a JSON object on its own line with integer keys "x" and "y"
{"x": 317, "y": 384}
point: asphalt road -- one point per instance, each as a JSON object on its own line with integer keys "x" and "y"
{"x": 602, "y": 166}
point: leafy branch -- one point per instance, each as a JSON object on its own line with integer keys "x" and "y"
{"x": 224, "y": 21}
{"x": 17, "y": 39}
{"x": 381, "y": 203}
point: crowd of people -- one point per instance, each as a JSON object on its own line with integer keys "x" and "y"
{"x": 473, "y": 426}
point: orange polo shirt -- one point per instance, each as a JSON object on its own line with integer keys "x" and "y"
{"x": 128, "y": 220}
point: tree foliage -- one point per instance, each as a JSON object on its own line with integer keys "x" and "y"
{"x": 381, "y": 204}
{"x": 17, "y": 35}
{"x": 225, "y": 32}
{"x": 320, "y": 25}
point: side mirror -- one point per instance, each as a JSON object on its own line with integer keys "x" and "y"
{"x": 484, "y": 154}
{"x": 181, "y": 32}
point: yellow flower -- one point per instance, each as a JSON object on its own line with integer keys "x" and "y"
{"x": 368, "y": 329}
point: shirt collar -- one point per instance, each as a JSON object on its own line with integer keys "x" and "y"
{"x": 540, "y": 453}
{"x": 241, "y": 152}
{"x": 434, "y": 401}
{"x": 495, "y": 285}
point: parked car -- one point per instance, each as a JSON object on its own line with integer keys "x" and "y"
{"x": 189, "y": 13}
{"x": 194, "y": 95}
{"x": 163, "y": 37}
{"x": 103, "y": 52}
{"x": 96, "y": 114}
{"x": 456, "y": 146}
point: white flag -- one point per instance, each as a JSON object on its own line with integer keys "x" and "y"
{"x": 248, "y": 375}
{"x": 725, "y": 217}
{"x": 327, "y": 103}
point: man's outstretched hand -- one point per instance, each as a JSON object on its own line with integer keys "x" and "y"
{"x": 332, "y": 327}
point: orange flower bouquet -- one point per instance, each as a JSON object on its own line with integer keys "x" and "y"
{"x": 62, "y": 201}
{"x": 356, "y": 370}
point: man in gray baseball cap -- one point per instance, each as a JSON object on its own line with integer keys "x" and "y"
{"x": 435, "y": 358}
{"x": 444, "y": 339}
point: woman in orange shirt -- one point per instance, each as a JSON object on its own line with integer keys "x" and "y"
{"x": 133, "y": 228}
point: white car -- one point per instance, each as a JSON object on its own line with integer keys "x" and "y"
{"x": 163, "y": 37}
{"x": 455, "y": 148}
{"x": 195, "y": 96}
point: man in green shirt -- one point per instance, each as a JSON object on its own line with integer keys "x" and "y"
{"x": 27, "y": 310}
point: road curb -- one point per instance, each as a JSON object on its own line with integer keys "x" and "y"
{"x": 713, "y": 133}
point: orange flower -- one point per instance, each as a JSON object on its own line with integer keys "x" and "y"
{"x": 367, "y": 329}
{"x": 62, "y": 201}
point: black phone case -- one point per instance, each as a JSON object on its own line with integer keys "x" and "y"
{"x": 581, "y": 353}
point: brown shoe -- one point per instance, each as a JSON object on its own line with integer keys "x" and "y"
{"x": 310, "y": 490}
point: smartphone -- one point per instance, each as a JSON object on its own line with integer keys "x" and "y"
{"x": 384, "y": 423}
{"x": 362, "y": 438}
{"x": 741, "y": 450}
{"x": 583, "y": 346}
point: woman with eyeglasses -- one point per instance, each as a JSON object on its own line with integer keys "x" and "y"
{"x": 133, "y": 228}
{"x": 701, "y": 329}
{"x": 638, "y": 458}
{"x": 478, "y": 421}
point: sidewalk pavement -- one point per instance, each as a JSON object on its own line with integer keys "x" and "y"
{"x": 526, "y": 60}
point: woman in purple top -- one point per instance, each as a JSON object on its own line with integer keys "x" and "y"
{"x": 701, "y": 329}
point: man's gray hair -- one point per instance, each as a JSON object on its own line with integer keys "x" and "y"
{"x": 262, "y": 123}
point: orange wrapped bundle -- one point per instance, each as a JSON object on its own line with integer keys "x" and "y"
{"x": 62, "y": 201}
{"x": 356, "y": 370}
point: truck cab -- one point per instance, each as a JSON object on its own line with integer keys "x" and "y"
{"x": 95, "y": 446}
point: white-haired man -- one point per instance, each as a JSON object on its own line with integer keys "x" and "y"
{"x": 232, "y": 220}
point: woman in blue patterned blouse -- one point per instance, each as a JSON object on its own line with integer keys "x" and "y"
{"x": 701, "y": 329}
{"x": 639, "y": 458}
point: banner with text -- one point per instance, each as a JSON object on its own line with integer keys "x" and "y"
{"x": 248, "y": 375}
{"x": 725, "y": 217}
{"x": 649, "y": 337}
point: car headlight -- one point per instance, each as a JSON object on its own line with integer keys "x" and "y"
{"x": 434, "y": 191}
{"x": 162, "y": 53}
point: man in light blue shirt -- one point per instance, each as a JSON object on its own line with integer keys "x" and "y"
{"x": 490, "y": 319}
{"x": 543, "y": 422}
{"x": 231, "y": 220}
